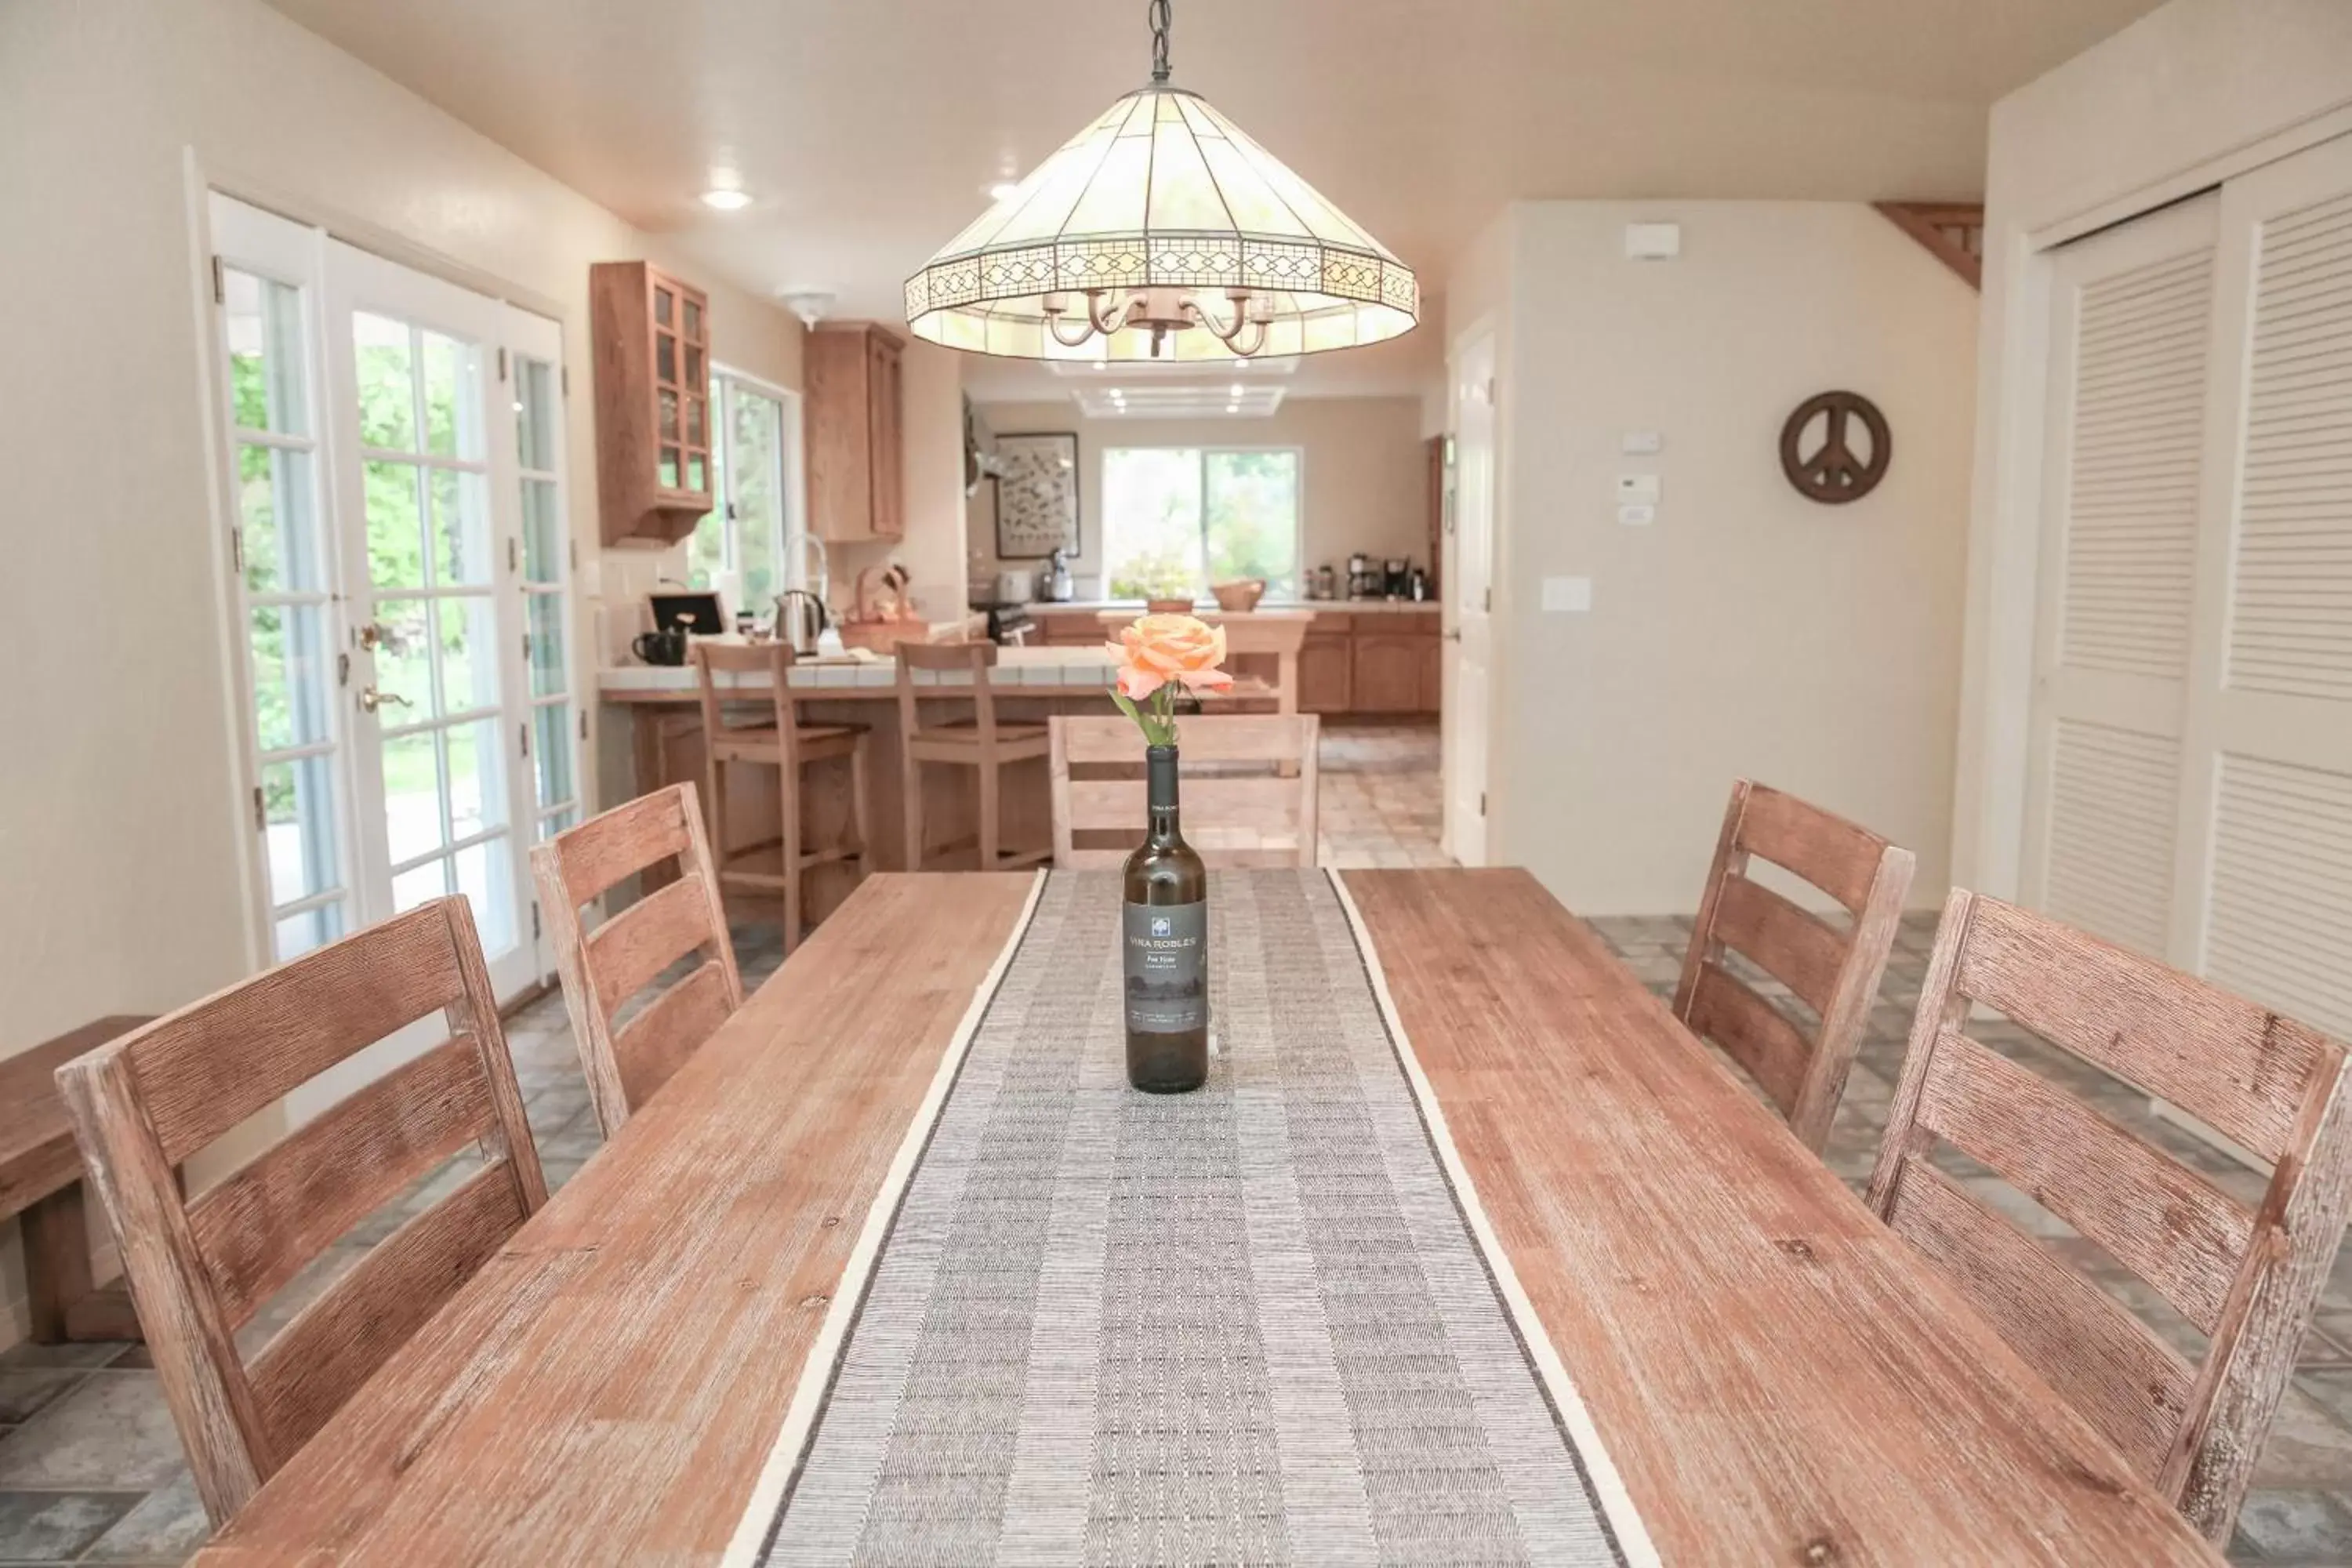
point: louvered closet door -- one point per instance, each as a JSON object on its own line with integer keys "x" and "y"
{"x": 2132, "y": 313}
{"x": 2266, "y": 813}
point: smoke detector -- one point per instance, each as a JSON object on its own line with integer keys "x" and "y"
{"x": 811, "y": 305}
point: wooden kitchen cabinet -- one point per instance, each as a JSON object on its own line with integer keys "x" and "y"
{"x": 651, "y": 333}
{"x": 1327, "y": 661}
{"x": 856, "y": 488}
{"x": 1387, "y": 674}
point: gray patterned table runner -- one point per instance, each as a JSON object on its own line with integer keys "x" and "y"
{"x": 1246, "y": 1325}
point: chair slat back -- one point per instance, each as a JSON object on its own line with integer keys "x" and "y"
{"x": 199, "y": 1268}
{"x": 772, "y": 658}
{"x": 1243, "y": 813}
{"x": 602, "y": 970}
{"x": 965, "y": 667}
{"x": 1836, "y": 973}
{"x": 2248, "y": 1278}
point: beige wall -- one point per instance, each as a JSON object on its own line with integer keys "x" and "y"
{"x": 1749, "y": 631}
{"x": 2189, "y": 94}
{"x": 122, "y": 837}
{"x": 1366, "y": 480}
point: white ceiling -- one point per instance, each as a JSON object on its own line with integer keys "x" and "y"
{"x": 867, "y": 131}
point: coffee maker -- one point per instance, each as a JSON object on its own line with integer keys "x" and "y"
{"x": 1364, "y": 580}
{"x": 1396, "y": 577}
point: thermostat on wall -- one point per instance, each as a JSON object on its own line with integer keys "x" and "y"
{"x": 1653, "y": 241}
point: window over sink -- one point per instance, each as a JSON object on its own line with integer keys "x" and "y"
{"x": 755, "y": 478}
{"x": 1178, "y": 519}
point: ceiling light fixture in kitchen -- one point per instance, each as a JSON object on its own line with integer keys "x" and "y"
{"x": 1161, "y": 232}
{"x": 727, "y": 198}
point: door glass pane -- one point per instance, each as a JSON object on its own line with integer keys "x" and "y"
{"x": 264, "y": 323}
{"x": 297, "y": 934}
{"x": 412, "y": 796}
{"x": 477, "y": 778}
{"x": 694, "y": 369}
{"x": 298, "y": 804}
{"x": 387, "y": 381}
{"x": 290, "y": 676}
{"x": 669, "y": 467}
{"x": 551, "y": 747}
{"x": 546, "y": 639}
{"x": 1252, "y": 521}
{"x": 1152, "y": 520}
{"x": 451, "y": 383}
{"x": 542, "y": 533}
{"x": 395, "y": 523}
{"x": 664, "y": 357}
{"x": 693, "y": 321}
{"x": 535, "y": 414}
{"x": 662, "y": 300}
{"x": 556, "y": 822}
{"x": 695, "y": 479}
{"x": 280, "y": 528}
{"x": 421, "y": 886}
{"x": 403, "y": 659}
{"x": 482, "y": 877}
{"x": 666, "y": 401}
{"x": 469, "y": 642}
{"x": 694, "y": 423}
{"x": 461, "y": 526}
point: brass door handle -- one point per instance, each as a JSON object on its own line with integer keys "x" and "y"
{"x": 371, "y": 700}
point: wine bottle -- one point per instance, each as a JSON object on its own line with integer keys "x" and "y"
{"x": 1165, "y": 928}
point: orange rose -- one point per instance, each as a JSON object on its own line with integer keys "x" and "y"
{"x": 1164, "y": 650}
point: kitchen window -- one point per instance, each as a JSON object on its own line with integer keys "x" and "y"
{"x": 1178, "y": 519}
{"x": 755, "y": 478}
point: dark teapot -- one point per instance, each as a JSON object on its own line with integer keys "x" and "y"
{"x": 665, "y": 647}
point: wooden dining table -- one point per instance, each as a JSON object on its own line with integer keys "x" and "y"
{"x": 1776, "y": 1377}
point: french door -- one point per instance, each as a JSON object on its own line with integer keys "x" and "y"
{"x": 405, "y": 598}
{"x": 2192, "y": 790}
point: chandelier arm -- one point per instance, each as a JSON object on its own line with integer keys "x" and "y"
{"x": 1107, "y": 321}
{"x": 1086, "y": 333}
{"x": 1256, "y": 340}
{"x": 1202, "y": 316}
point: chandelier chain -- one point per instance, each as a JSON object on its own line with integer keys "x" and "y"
{"x": 1161, "y": 21}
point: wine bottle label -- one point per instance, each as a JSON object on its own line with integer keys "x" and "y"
{"x": 1167, "y": 967}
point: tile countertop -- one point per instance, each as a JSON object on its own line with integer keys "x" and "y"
{"x": 1330, "y": 607}
{"x": 1062, "y": 668}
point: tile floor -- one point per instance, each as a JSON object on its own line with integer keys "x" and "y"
{"x": 91, "y": 1468}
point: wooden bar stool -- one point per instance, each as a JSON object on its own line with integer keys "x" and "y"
{"x": 782, "y": 742}
{"x": 979, "y": 743}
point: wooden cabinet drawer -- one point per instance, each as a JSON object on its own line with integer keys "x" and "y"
{"x": 1387, "y": 672}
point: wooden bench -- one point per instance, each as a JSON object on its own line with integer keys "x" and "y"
{"x": 41, "y": 1182}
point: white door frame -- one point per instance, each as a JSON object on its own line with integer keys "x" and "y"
{"x": 1467, "y": 705}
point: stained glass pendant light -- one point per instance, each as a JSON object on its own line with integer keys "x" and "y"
{"x": 1161, "y": 232}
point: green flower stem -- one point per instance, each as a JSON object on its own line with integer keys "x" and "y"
{"x": 1156, "y": 716}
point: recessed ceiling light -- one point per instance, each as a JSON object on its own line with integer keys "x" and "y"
{"x": 1002, "y": 189}
{"x": 725, "y": 198}
{"x": 1237, "y": 389}
{"x": 1232, "y": 408}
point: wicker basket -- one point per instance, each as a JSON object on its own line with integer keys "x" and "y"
{"x": 1239, "y": 597}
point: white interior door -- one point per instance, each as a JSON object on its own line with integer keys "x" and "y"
{"x": 2192, "y": 790}
{"x": 1469, "y": 574}
{"x": 429, "y": 493}
{"x": 2131, "y": 314}
{"x": 2266, "y": 808}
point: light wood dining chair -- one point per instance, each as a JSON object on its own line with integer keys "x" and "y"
{"x": 602, "y": 969}
{"x": 1834, "y": 971}
{"x": 199, "y": 1268}
{"x": 983, "y": 743}
{"x": 1248, "y": 785}
{"x": 776, "y": 739}
{"x": 2248, "y": 1278}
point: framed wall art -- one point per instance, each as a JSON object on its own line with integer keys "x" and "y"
{"x": 1036, "y": 495}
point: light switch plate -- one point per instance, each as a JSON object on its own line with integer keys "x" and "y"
{"x": 1653, "y": 241}
{"x": 1567, "y": 595}
{"x": 1637, "y": 515}
{"x": 1637, "y": 487}
{"x": 1641, "y": 443}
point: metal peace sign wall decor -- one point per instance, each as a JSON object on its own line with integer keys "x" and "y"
{"x": 1835, "y": 446}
